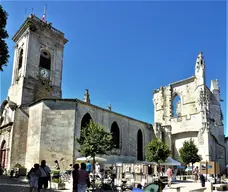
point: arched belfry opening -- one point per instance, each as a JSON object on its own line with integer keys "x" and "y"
{"x": 176, "y": 106}
{"x": 45, "y": 60}
{"x": 115, "y": 135}
{"x": 85, "y": 120}
{"x": 3, "y": 154}
{"x": 139, "y": 145}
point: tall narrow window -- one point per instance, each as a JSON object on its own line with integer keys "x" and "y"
{"x": 20, "y": 59}
{"x": 115, "y": 135}
{"x": 176, "y": 106}
{"x": 45, "y": 60}
{"x": 139, "y": 145}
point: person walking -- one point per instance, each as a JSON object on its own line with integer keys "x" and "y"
{"x": 196, "y": 174}
{"x": 169, "y": 174}
{"x": 75, "y": 177}
{"x": 88, "y": 167}
{"x": 33, "y": 176}
{"x": 83, "y": 178}
{"x": 45, "y": 176}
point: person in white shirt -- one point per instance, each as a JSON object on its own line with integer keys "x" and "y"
{"x": 97, "y": 170}
{"x": 44, "y": 177}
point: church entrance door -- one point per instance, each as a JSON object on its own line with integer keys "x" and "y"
{"x": 3, "y": 154}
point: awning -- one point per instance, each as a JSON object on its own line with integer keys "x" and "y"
{"x": 171, "y": 162}
{"x": 97, "y": 159}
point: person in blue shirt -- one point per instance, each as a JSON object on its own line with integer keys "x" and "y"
{"x": 138, "y": 189}
{"x": 88, "y": 167}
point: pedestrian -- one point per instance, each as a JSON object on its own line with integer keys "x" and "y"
{"x": 57, "y": 167}
{"x": 83, "y": 178}
{"x": 169, "y": 174}
{"x": 45, "y": 176}
{"x": 88, "y": 167}
{"x": 75, "y": 177}
{"x": 97, "y": 170}
{"x": 33, "y": 176}
{"x": 196, "y": 174}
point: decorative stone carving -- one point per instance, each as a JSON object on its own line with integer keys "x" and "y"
{"x": 159, "y": 100}
{"x": 7, "y": 115}
{"x": 204, "y": 128}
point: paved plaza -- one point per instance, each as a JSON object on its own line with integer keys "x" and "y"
{"x": 17, "y": 185}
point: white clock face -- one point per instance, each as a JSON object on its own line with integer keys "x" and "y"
{"x": 44, "y": 73}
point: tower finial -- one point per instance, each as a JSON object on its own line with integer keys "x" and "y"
{"x": 86, "y": 96}
{"x": 44, "y": 18}
{"x": 109, "y": 107}
{"x": 200, "y": 60}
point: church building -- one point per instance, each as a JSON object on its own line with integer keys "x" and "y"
{"x": 37, "y": 123}
{"x": 189, "y": 109}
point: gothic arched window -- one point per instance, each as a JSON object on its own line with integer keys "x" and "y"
{"x": 139, "y": 145}
{"x": 176, "y": 106}
{"x": 20, "y": 59}
{"x": 45, "y": 60}
{"x": 115, "y": 135}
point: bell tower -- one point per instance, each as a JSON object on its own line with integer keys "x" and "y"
{"x": 38, "y": 60}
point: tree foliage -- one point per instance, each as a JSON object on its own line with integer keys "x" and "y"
{"x": 157, "y": 151}
{"x": 4, "y": 53}
{"x": 94, "y": 140}
{"x": 189, "y": 152}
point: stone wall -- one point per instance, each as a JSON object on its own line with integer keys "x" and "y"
{"x": 57, "y": 132}
{"x": 19, "y": 137}
{"x": 34, "y": 135}
{"x": 51, "y": 132}
{"x": 128, "y": 127}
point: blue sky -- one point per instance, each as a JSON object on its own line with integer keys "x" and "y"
{"x": 122, "y": 51}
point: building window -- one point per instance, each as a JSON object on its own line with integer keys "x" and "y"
{"x": 139, "y": 145}
{"x": 115, "y": 135}
{"x": 20, "y": 59}
{"x": 176, "y": 106}
{"x": 45, "y": 60}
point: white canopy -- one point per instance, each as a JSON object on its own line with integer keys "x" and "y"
{"x": 171, "y": 162}
{"x": 97, "y": 159}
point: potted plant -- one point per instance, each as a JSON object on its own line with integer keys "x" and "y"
{"x": 57, "y": 183}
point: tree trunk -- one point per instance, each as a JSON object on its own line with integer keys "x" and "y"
{"x": 192, "y": 172}
{"x": 94, "y": 164}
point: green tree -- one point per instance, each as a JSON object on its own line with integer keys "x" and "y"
{"x": 189, "y": 152}
{"x": 94, "y": 140}
{"x": 4, "y": 53}
{"x": 157, "y": 151}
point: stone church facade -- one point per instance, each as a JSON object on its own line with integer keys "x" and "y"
{"x": 189, "y": 109}
{"x": 37, "y": 123}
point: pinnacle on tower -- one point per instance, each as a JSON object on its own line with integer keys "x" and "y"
{"x": 109, "y": 107}
{"x": 214, "y": 85}
{"x": 86, "y": 96}
{"x": 200, "y": 60}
